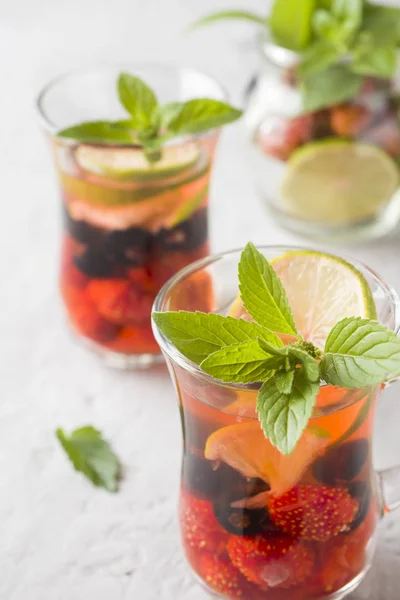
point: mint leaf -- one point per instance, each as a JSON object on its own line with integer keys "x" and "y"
{"x": 91, "y": 455}
{"x": 331, "y": 86}
{"x": 284, "y": 416}
{"x": 99, "y": 132}
{"x": 360, "y": 352}
{"x": 318, "y": 57}
{"x": 379, "y": 61}
{"x": 284, "y": 381}
{"x": 262, "y": 292}
{"x": 238, "y": 363}
{"x": 241, "y": 15}
{"x": 138, "y": 99}
{"x": 290, "y": 22}
{"x": 350, "y": 12}
{"x": 197, "y": 335}
{"x": 202, "y": 114}
{"x": 299, "y": 357}
{"x": 383, "y": 23}
{"x": 168, "y": 113}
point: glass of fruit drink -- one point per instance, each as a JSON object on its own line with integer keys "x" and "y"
{"x": 134, "y": 193}
{"x": 278, "y": 497}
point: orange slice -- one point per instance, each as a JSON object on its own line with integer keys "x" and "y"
{"x": 245, "y": 448}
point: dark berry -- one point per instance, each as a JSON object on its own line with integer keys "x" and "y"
{"x": 80, "y": 230}
{"x": 341, "y": 463}
{"x": 186, "y": 236}
{"x": 239, "y": 520}
{"x": 204, "y": 480}
{"x": 361, "y": 491}
{"x": 94, "y": 263}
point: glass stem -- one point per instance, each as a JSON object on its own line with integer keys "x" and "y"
{"x": 389, "y": 486}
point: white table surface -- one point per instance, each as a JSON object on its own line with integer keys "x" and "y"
{"x": 60, "y": 538}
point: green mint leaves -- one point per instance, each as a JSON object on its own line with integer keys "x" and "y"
{"x": 339, "y": 43}
{"x": 358, "y": 352}
{"x": 262, "y": 292}
{"x": 150, "y": 124}
{"x": 91, "y": 455}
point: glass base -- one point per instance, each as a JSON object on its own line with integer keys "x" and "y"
{"x": 342, "y": 593}
{"x": 377, "y": 227}
{"x": 118, "y": 360}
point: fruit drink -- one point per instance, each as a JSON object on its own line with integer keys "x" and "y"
{"x": 259, "y": 525}
{"x": 128, "y": 227}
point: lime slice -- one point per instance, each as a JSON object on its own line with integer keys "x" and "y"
{"x": 322, "y": 289}
{"x": 130, "y": 163}
{"x": 338, "y": 182}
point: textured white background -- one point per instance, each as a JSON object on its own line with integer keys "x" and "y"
{"x": 61, "y": 539}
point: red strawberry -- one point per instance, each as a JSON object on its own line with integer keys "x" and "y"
{"x": 313, "y": 512}
{"x": 350, "y": 120}
{"x": 280, "y": 137}
{"x": 343, "y": 558}
{"x": 273, "y": 561}
{"x": 200, "y": 529}
{"x": 121, "y": 302}
{"x": 221, "y": 576}
{"x": 85, "y": 318}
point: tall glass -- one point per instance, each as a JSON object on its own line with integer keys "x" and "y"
{"x": 249, "y": 539}
{"x": 129, "y": 225}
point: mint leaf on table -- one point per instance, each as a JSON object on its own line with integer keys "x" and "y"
{"x": 241, "y": 15}
{"x": 359, "y": 352}
{"x": 99, "y": 131}
{"x": 246, "y": 362}
{"x": 284, "y": 416}
{"x": 290, "y": 22}
{"x": 197, "y": 335}
{"x": 138, "y": 99}
{"x": 382, "y": 22}
{"x": 263, "y": 294}
{"x": 91, "y": 455}
{"x": 332, "y": 86}
{"x": 202, "y": 114}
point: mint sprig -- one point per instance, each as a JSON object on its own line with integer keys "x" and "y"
{"x": 358, "y": 352}
{"x": 339, "y": 42}
{"x": 92, "y": 456}
{"x": 150, "y": 124}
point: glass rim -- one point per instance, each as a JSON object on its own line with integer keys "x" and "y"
{"x": 51, "y": 128}
{"x": 173, "y": 353}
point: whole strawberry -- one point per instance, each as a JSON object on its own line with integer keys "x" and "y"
{"x": 311, "y": 512}
{"x": 200, "y": 529}
{"x": 273, "y": 561}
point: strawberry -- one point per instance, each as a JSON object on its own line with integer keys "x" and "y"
{"x": 121, "y": 302}
{"x": 273, "y": 561}
{"x": 313, "y": 512}
{"x": 221, "y": 576}
{"x": 343, "y": 558}
{"x": 85, "y": 318}
{"x": 279, "y": 137}
{"x": 350, "y": 120}
{"x": 200, "y": 529}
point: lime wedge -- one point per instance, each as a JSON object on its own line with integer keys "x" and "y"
{"x": 131, "y": 163}
{"x": 337, "y": 182}
{"x": 322, "y": 289}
